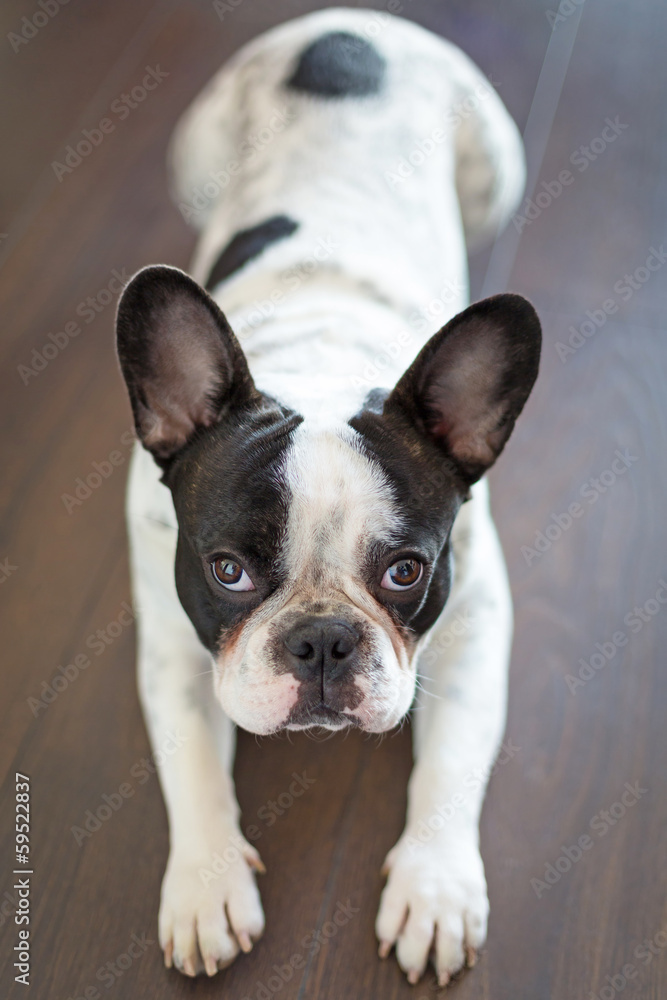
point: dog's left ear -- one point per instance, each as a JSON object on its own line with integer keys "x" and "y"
{"x": 470, "y": 382}
{"x": 183, "y": 366}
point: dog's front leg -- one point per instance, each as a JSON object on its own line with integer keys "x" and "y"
{"x": 209, "y": 906}
{"x": 436, "y": 897}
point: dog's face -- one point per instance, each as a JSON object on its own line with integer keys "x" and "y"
{"x": 309, "y": 569}
{"x": 311, "y": 559}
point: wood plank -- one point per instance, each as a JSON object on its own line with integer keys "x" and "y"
{"x": 576, "y": 749}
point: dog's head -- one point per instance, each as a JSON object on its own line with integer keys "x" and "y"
{"x": 311, "y": 559}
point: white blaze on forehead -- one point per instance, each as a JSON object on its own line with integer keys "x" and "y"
{"x": 339, "y": 501}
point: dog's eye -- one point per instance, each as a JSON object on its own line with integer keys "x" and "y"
{"x": 231, "y": 574}
{"x": 403, "y": 574}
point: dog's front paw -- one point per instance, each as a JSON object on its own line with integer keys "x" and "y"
{"x": 435, "y": 901}
{"x": 210, "y": 907}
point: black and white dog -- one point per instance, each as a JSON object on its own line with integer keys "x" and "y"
{"x": 314, "y": 508}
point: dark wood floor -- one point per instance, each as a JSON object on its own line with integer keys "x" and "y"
{"x": 600, "y": 928}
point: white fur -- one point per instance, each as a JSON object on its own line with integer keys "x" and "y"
{"x": 382, "y": 252}
{"x": 327, "y": 474}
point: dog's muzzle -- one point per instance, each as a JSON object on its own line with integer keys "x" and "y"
{"x": 324, "y": 653}
{"x": 321, "y": 648}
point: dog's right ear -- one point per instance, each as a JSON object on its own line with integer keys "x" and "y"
{"x": 183, "y": 366}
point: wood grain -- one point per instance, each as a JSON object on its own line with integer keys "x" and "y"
{"x": 575, "y": 745}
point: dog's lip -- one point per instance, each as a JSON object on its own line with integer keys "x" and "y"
{"x": 322, "y": 714}
{"x": 324, "y": 709}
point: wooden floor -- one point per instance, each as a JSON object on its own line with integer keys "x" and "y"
{"x": 562, "y": 925}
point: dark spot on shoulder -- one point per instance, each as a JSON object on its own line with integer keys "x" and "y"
{"x": 248, "y": 244}
{"x": 339, "y": 64}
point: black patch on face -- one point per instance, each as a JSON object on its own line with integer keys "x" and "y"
{"x": 429, "y": 494}
{"x": 248, "y": 244}
{"x": 230, "y": 500}
{"x": 339, "y": 64}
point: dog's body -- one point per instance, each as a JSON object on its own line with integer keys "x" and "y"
{"x": 304, "y": 498}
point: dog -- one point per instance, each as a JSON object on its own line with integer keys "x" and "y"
{"x": 316, "y": 408}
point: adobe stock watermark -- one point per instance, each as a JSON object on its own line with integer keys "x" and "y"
{"x": 120, "y": 109}
{"x": 389, "y": 351}
{"x": 233, "y": 854}
{"x": 96, "y": 644}
{"x": 205, "y": 195}
{"x": 224, "y": 7}
{"x": 426, "y": 320}
{"x": 7, "y": 569}
{"x": 110, "y": 803}
{"x": 438, "y": 310}
{"x": 269, "y": 813}
{"x": 8, "y": 905}
{"x": 425, "y": 147}
{"x": 564, "y": 10}
{"x": 444, "y": 812}
{"x": 581, "y": 158}
{"x": 605, "y": 652}
{"x": 100, "y": 471}
{"x": 31, "y": 25}
{"x": 625, "y": 288}
{"x": 109, "y": 973}
{"x": 262, "y": 310}
{"x": 444, "y": 639}
{"x": 599, "y": 825}
{"x": 644, "y": 954}
{"x": 87, "y": 310}
{"x": 591, "y": 491}
{"x": 272, "y": 810}
{"x": 311, "y": 944}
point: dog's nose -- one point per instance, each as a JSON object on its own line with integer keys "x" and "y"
{"x": 318, "y": 645}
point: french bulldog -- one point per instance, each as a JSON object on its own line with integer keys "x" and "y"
{"x": 316, "y": 408}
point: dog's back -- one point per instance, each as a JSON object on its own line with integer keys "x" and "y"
{"x": 355, "y": 82}
{"x": 347, "y": 146}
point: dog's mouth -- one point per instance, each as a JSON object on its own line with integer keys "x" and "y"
{"x": 308, "y": 716}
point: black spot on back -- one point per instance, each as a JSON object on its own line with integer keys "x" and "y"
{"x": 339, "y": 64}
{"x": 248, "y": 244}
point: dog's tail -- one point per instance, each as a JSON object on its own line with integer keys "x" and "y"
{"x": 224, "y": 127}
{"x": 490, "y": 163}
